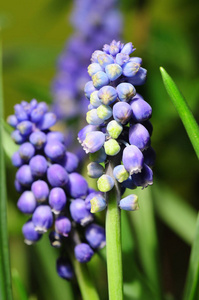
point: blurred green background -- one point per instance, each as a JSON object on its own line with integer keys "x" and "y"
{"x": 165, "y": 33}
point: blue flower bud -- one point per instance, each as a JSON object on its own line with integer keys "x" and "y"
{"x": 57, "y": 200}
{"x": 94, "y": 68}
{"x": 129, "y": 184}
{"x": 20, "y": 113}
{"x": 42, "y": 218}
{"x": 129, "y": 203}
{"x": 12, "y": 120}
{"x": 132, "y": 66}
{"x": 49, "y": 119}
{"x": 80, "y": 213}
{"x": 107, "y": 95}
{"x": 100, "y": 79}
{"x": 114, "y": 71}
{"x": 55, "y": 136}
{"x": 55, "y": 239}
{"x": 57, "y": 175}
{"x": 43, "y": 106}
{"x": 132, "y": 159}
{"x": 40, "y": 190}
{"x": 19, "y": 188}
{"x": 63, "y": 225}
{"x": 38, "y": 165}
{"x": 33, "y": 104}
{"x": 17, "y": 137}
{"x": 89, "y": 89}
{"x": 139, "y": 136}
{"x": 139, "y": 78}
{"x": 38, "y": 139}
{"x": 77, "y": 185}
{"x": 25, "y": 127}
{"x": 120, "y": 173}
{"x": 94, "y": 99}
{"x": 128, "y": 48}
{"x": 27, "y": 202}
{"x": 94, "y": 141}
{"x": 37, "y": 114}
{"x": 95, "y": 236}
{"x": 149, "y": 156}
{"x": 104, "y": 112}
{"x": 144, "y": 178}
{"x": 105, "y": 59}
{"x": 30, "y": 234}
{"x": 70, "y": 162}
{"x": 114, "y": 129}
{"x": 24, "y": 176}
{"x": 89, "y": 197}
{"x": 26, "y": 151}
{"x": 83, "y": 253}
{"x": 64, "y": 268}
{"x": 92, "y": 117}
{"x": 54, "y": 150}
{"x": 99, "y": 156}
{"x": 125, "y": 91}
{"x": 121, "y": 58}
{"x": 111, "y": 147}
{"x": 83, "y": 132}
{"x": 17, "y": 161}
{"x": 95, "y": 170}
{"x": 95, "y": 56}
{"x": 122, "y": 112}
{"x": 105, "y": 183}
{"x": 98, "y": 203}
{"x": 141, "y": 109}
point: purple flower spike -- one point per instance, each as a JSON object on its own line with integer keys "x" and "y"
{"x": 64, "y": 268}
{"x": 70, "y": 162}
{"x": 94, "y": 68}
{"x": 40, "y": 190}
{"x": 63, "y": 225}
{"x": 25, "y": 127}
{"x": 132, "y": 159}
{"x": 20, "y": 113}
{"x": 129, "y": 203}
{"x": 128, "y": 48}
{"x": 54, "y": 150}
{"x": 37, "y": 114}
{"x": 42, "y": 218}
{"x": 57, "y": 199}
{"x": 27, "y": 202}
{"x": 125, "y": 91}
{"x": 144, "y": 178}
{"x": 55, "y": 136}
{"x": 38, "y": 139}
{"x": 80, "y": 213}
{"x": 77, "y": 185}
{"x": 17, "y": 161}
{"x": 121, "y": 58}
{"x": 24, "y": 176}
{"x": 105, "y": 59}
{"x": 113, "y": 71}
{"x": 107, "y": 94}
{"x": 38, "y": 165}
{"x": 141, "y": 109}
{"x": 94, "y": 141}
{"x": 92, "y": 117}
{"x": 57, "y": 175}
{"x": 26, "y": 151}
{"x": 122, "y": 112}
{"x": 139, "y": 136}
{"x": 49, "y": 119}
{"x": 30, "y": 234}
{"x": 95, "y": 236}
{"x": 83, "y": 253}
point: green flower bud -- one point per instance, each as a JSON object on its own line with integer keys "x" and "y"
{"x": 114, "y": 129}
{"x": 105, "y": 183}
{"x": 111, "y": 147}
{"x": 104, "y": 112}
{"x": 120, "y": 173}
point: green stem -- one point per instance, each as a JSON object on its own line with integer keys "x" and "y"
{"x": 113, "y": 243}
{"x": 85, "y": 282}
{"x": 183, "y": 110}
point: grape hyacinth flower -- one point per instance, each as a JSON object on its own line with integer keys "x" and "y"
{"x": 121, "y": 141}
{"x": 52, "y": 190}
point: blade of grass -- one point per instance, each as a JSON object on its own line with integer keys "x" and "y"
{"x": 174, "y": 211}
{"x": 183, "y": 110}
{"x": 5, "y": 277}
{"x": 192, "y": 287}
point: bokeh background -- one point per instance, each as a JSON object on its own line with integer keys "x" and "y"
{"x": 165, "y": 33}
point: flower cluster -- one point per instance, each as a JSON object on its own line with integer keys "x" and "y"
{"x": 53, "y": 193}
{"x": 95, "y": 22}
{"x": 119, "y": 129}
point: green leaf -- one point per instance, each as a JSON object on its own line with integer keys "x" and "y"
{"x": 18, "y": 284}
{"x": 192, "y": 282}
{"x": 5, "y": 277}
{"x": 183, "y": 110}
